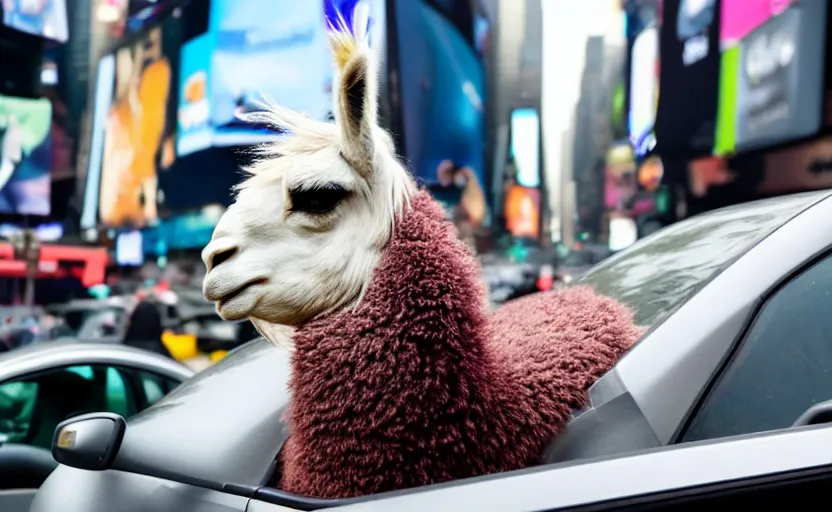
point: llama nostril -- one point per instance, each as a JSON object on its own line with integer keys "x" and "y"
{"x": 222, "y": 256}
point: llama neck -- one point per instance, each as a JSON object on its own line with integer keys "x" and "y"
{"x": 425, "y": 296}
{"x": 414, "y": 348}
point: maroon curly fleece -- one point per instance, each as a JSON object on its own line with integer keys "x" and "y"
{"x": 418, "y": 386}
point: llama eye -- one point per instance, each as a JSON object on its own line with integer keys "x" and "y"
{"x": 317, "y": 200}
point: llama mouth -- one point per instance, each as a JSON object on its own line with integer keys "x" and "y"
{"x": 228, "y": 297}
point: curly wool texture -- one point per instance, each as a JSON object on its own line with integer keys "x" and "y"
{"x": 418, "y": 386}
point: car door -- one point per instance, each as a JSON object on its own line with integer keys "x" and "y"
{"x": 788, "y": 470}
{"x": 31, "y": 406}
{"x": 781, "y": 367}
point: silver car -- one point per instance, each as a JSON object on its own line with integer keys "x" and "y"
{"x": 44, "y": 384}
{"x": 721, "y": 403}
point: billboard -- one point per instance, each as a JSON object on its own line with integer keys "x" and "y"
{"x": 45, "y": 18}
{"x": 256, "y": 50}
{"x": 194, "y": 131}
{"x": 644, "y": 78}
{"x": 771, "y": 76}
{"x": 689, "y": 76}
{"x": 25, "y": 155}
{"x": 525, "y": 146}
{"x": 442, "y": 78}
{"x": 133, "y": 130}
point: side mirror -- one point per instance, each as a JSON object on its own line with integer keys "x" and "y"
{"x": 89, "y": 441}
{"x": 818, "y": 414}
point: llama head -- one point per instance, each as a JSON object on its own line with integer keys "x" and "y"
{"x": 309, "y": 223}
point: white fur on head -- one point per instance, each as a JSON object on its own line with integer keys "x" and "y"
{"x": 310, "y": 222}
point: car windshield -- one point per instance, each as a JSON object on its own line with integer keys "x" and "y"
{"x": 660, "y": 272}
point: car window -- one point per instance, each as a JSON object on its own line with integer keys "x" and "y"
{"x": 155, "y": 386}
{"x": 16, "y": 402}
{"x": 661, "y": 272}
{"x": 783, "y": 367}
{"x": 31, "y": 407}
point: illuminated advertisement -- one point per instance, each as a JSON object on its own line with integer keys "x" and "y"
{"x": 650, "y": 174}
{"x": 45, "y": 18}
{"x": 136, "y": 145}
{"x": 441, "y": 78}
{"x": 194, "y": 131}
{"x": 620, "y": 184}
{"x": 25, "y": 155}
{"x": 191, "y": 230}
{"x": 644, "y": 78}
{"x": 525, "y": 146}
{"x": 741, "y": 17}
{"x": 266, "y": 48}
{"x": 104, "y": 87}
{"x": 129, "y": 249}
{"x": 686, "y": 117}
{"x": 274, "y": 50}
{"x": 522, "y": 212}
{"x": 767, "y": 51}
{"x": 134, "y": 124}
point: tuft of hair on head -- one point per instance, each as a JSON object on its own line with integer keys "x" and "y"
{"x": 347, "y": 42}
{"x": 268, "y": 113}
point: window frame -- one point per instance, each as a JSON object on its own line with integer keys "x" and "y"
{"x": 125, "y": 372}
{"x": 731, "y": 357}
{"x": 666, "y": 477}
{"x": 168, "y": 385}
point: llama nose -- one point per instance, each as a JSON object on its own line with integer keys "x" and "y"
{"x": 215, "y": 256}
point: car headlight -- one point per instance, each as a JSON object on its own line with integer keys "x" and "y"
{"x": 567, "y": 279}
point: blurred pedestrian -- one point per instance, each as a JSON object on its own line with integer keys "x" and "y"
{"x": 459, "y": 190}
{"x": 145, "y": 329}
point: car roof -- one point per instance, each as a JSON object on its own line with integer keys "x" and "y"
{"x": 51, "y": 354}
{"x": 81, "y": 304}
{"x": 226, "y": 424}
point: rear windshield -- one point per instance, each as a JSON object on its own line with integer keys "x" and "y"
{"x": 659, "y": 273}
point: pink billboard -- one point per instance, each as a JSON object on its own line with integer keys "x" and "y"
{"x": 739, "y": 17}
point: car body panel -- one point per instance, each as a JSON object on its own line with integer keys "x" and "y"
{"x": 259, "y": 506}
{"x": 568, "y": 486}
{"x": 668, "y": 370}
{"x": 17, "y": 500}
{"x": 74, "y": 490}
{"x": 612, "y": 424}
{"x": 219, "y": 425}
{"x": 55, "y": 354}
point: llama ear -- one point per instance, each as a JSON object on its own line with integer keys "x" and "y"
{"x": 355, "y": 90}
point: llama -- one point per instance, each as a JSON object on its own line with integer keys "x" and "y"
{"x": 400, "y": 378}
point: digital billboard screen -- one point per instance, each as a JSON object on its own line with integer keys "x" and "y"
{"x": 260, "y": 49}
{"x": 689, "y": 77}
{"x": 45, "y": 18}
{"x": 25, "y": 155}
{"x": 771, "y": 73}
{"x": 134, "y": 127}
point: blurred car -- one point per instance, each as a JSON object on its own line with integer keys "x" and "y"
{"x": 203, "y": 332}
{"x": 719, "y": 404}
{"x": 19, "y": 326}
{"x": 46, "y": 383}
{"x": 507, "y": 280}
{"x": 92, "y": 320}
{"x": 579, "y": 260}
